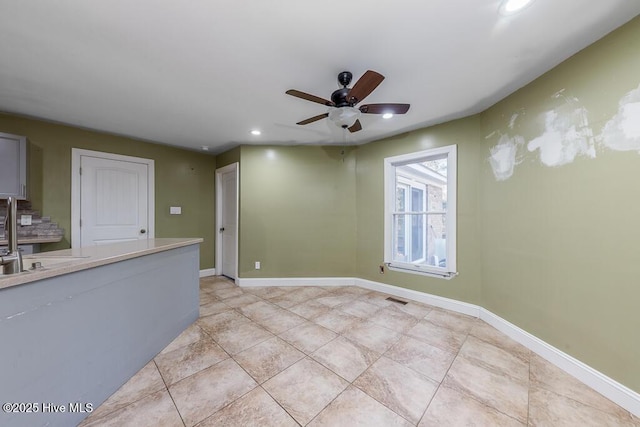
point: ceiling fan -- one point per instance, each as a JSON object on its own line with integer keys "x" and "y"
{"x": 345, "y": 114}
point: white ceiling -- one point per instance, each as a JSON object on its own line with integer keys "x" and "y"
{"x": 204, "y": 73}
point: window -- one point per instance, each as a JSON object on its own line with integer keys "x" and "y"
{"x": 420, "y": 212}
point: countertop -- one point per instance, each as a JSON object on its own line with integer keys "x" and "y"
{"x": 70, "y": 260}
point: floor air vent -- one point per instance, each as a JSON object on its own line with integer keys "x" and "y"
{"x": 392, "y": 299}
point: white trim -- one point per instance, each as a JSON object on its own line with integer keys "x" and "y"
{"x": 417, "y": 270}
{"x": 608, "y": 387}
{"x": 76, "y": 153}
{"x": 297, "y": 281}
{"x": 219, "y": 172}
{"x": 390, "y": 165}
{"x": 208, "y": 272}
{"x": 435, "y": 300}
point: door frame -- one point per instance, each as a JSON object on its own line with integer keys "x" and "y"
{"x": 233, "y": 167}
{"x": 76, "y": 154}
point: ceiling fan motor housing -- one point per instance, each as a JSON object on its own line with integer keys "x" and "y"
{"x": 339, "y": 97}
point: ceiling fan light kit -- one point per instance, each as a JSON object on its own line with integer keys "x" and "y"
{"x": 344, "y": 117}
{"x": 345, "y": 114}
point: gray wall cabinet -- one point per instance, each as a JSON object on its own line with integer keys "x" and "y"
{"x": 13, "y": 166}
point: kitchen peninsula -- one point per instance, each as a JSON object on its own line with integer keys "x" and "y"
{"x": 80, "y": 322}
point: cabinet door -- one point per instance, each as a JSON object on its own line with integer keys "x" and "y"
{"x": 13, "y": 166}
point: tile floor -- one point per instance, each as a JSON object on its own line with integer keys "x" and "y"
{"x": 346, "y": 356}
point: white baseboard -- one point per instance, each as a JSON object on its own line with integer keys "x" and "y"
{"x": 435, "y": 300}
{"x": 208, "y": 272}
{"x": 296, "y": 281}
{"x": 608, "y": 387}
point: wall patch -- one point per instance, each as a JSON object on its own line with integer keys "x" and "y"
{"x": 622, "y": 132}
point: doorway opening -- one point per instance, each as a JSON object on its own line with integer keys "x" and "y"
{"x": 227, "y": 202}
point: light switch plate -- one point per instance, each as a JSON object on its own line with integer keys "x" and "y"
{"x": 25, "y": 219}
{"x": 175, "y": 210}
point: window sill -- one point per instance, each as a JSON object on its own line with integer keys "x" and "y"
{"x": 447, "y": 275}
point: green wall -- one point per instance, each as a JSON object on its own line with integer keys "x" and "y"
{"x": 228, "y": 157}
{"x": 297, "y": 211}
{"x": 182, "y": 178}
{"x": 560, "y": 235}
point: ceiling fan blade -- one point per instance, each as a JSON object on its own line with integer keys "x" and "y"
{"x": 364, "y": 86}
{"x": 313, "y": 119}
{"x": 384, "y": 108}
{"x": 355, "y": 127}
{"x": 309, "y": 97}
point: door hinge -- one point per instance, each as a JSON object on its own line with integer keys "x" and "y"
{"x": 80, "y": 171}
{"x": 80, "y": 223}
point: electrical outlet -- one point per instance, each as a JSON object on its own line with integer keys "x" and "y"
{"x": 175, "y": 210}
{"x": 25, "y": 219}
{"x": 257, "y": 265}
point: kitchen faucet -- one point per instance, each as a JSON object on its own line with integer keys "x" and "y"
{"x": 12, "y": 260}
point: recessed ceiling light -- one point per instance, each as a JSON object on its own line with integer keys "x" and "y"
{"x": 255, "y": 132}
{"x": 387, "y": 115}
{"x": 512, "y": 6}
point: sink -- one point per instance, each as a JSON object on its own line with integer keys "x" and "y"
{"x": 47, "y": 261}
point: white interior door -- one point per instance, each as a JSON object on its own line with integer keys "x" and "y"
{"x": 227, "y": 248}
{"x": 115, "y": 195}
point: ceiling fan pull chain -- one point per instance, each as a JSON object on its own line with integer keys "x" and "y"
{"x": 344, "y": 142}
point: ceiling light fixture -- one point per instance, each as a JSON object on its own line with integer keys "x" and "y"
{"x": 205, "y": 148}
{"x": 255, "y": 132}
{"x": 344, "y": 117}
{"x": 387, "y": 115}
{"x": 509, "y": 7}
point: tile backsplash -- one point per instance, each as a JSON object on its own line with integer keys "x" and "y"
{"x": 41, "y": 226}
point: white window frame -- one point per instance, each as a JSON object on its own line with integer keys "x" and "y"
{"x": 390, "y": 164}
